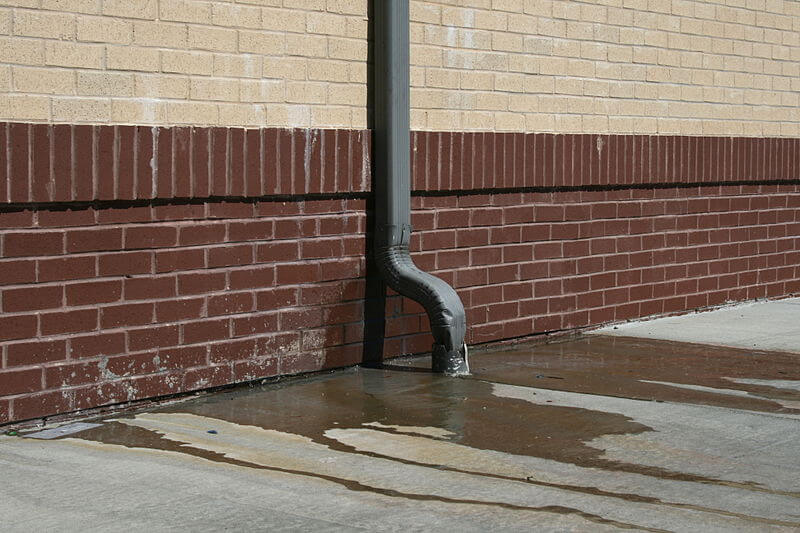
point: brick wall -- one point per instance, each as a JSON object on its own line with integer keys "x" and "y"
{"x": 107, "y": 305}
{"x": 240, "y": 254}
{"x": 194, "y": 62}
{"x": 526, "y": 263}
{"x": 153, "y": 261}
{"x": 576, "y": 162}
{"x": 690, "y": 67}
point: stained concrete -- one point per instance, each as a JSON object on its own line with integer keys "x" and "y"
{"x": 591, "y": 434}
{"x": 767, "y": 325}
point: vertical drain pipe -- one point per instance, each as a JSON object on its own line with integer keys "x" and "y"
{"x": 391, "y": 141}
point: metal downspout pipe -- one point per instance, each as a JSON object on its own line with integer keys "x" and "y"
{"x": 392, "y": 183}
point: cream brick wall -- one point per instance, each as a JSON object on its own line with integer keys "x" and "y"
{"x": 246, "y": 63}
{"x": 710, "y": 67}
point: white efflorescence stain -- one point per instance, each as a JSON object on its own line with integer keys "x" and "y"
{"x": 61, "y": 431}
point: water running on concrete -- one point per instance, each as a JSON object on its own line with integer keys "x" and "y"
{"x": 590, "y": 434}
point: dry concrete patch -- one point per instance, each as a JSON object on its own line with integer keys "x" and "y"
{"x": 766, "y": 325}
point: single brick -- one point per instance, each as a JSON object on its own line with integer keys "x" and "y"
{"x": 71, "y": 374}
{"x": 230, "y": 303}
{"x": 277, "y": 251}
{"x": 42, "y": 404}
{"x": 68, "y": 321}
{"x": 20, "y": 381}
{"x": 14, "y": 272}
{"x": 126, "y": 315}
{"x": 125, "y": 263}
{"x": 230, "y": 256}
{"x": 255, "y": 324}
{"x": 94, "y": 345}
{"x": 36, "y": 352}
{"x": 32, "y": 298}
{"x": 153, "y": 337}
{"x": 93, "y": 292}
{"x": 94, "y": 240}
{"x": 202, "y": 234}
{"x": 289, "y": 274}
{"x": 67, "y": 268}
{"x": 258, "y": 277}
{"x": 175, "y": 260}
{"x": 206, "y": 330}
{"x": 17, "y": 327}
{"x": 232, "y": 350}
{"x": 150, "y": 237}
{"x": 150, "y": 288}
{"x": 183, "y": 309}
{"x": 200, "y": 282}
{"x": 29, "y": 244}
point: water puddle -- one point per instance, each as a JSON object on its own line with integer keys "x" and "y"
{"x": 608, "y": 431}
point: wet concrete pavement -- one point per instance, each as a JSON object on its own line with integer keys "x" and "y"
{"x": 593, "y": 433}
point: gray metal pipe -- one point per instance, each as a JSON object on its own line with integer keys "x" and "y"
{"x": 392, "y": 183}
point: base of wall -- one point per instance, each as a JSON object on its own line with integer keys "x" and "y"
{"x": 229, "y": 273}
{"x": 150, "y": 403}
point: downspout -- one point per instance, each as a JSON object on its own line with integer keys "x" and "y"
{"x": 391, "y": 140}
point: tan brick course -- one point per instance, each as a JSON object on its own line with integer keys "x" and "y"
{"x": 703, "y": 67}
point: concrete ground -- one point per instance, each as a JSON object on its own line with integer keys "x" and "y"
{"x": 765, "y": 325}
{"x": 602, "y": 432}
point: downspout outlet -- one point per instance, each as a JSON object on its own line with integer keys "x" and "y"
{"x": 452, "y": 362}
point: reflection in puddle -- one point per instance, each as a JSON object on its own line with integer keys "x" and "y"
{"x": 650, "y": 370}
{"x": 549, "y": 429}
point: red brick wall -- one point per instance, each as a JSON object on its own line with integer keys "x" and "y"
{"x": 478, "y": 161}
{"x": 528, "y": 263}
{"x": 110, "y": 305}
{"x": 139, "y": 262}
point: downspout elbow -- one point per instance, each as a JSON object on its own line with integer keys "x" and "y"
{"x": 441, "y": 302}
